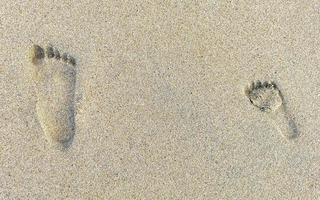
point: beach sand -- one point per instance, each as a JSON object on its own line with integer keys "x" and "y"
{"x": 160, "y": 104}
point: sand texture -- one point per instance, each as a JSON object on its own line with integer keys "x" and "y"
{"x": 160, "y": 99}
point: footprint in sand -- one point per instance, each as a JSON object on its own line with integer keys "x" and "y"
{"x": 55, "y": 77}
{"x": 269, "y": 99}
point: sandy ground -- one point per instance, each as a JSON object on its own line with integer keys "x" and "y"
{"x": 161, "y": 110}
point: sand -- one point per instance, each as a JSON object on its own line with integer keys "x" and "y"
{"x": 161, "y": 110}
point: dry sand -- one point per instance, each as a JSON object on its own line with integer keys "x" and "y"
{"x": 161, "y": 111}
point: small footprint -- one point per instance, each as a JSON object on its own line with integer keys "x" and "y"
{"x": 55, "y": 77}
{"x": 269, "y": 99}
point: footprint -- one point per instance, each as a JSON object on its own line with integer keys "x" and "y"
{"x": 54, "y": 75}
{"x": 269, "y": 99}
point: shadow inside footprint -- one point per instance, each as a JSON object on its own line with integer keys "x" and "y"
{"x": 267, "y": 97}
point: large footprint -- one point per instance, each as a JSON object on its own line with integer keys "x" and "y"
{"x": 55, "y": 78}
{"x": 269, "y": 99}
